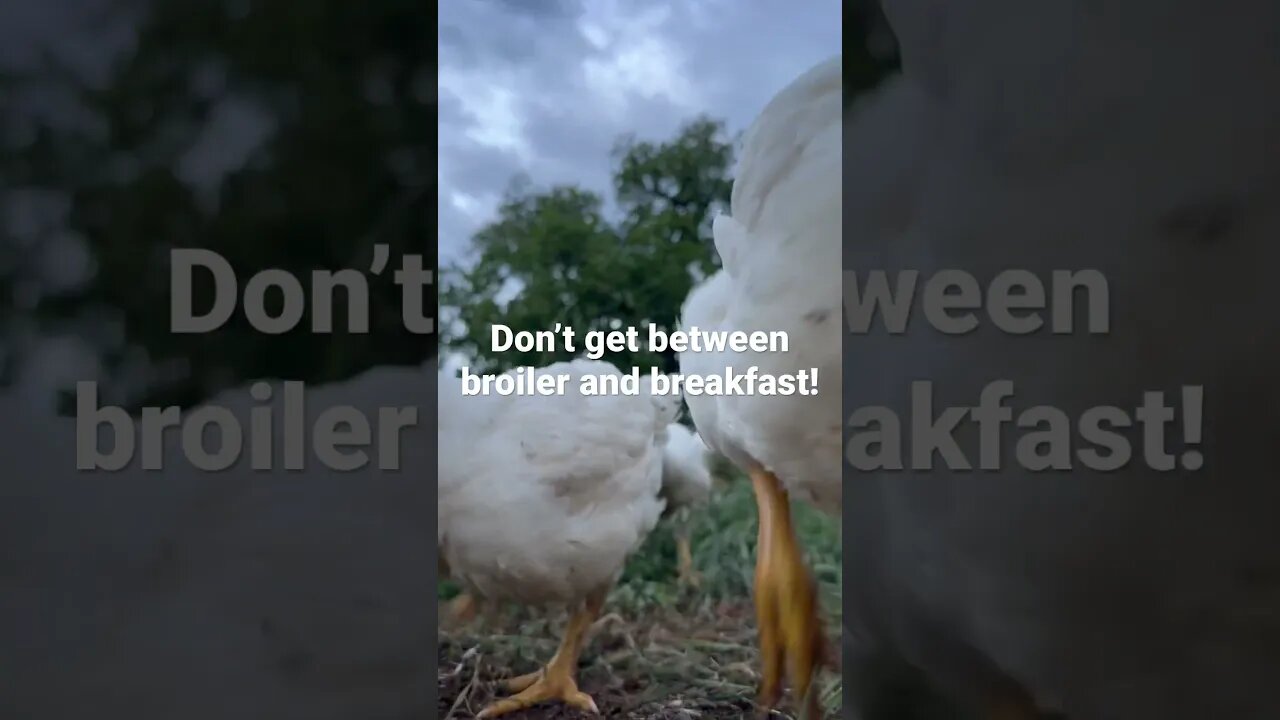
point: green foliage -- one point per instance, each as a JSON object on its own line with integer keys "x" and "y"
{"x": 722, "y": 535}
{"x": 566, "y": 262}
{"x": 347, "y": 114}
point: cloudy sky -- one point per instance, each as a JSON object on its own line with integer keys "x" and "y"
{"x": 544, "y": 87}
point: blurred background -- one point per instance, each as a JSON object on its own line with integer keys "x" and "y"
{"x": 582, "y": 150}
{"x": 283, "y": 135}
{"x": 291, "y": 135}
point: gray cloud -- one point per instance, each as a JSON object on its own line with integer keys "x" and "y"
{"x": 546, "y": 88}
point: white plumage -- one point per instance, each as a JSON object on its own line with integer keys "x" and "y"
{"x": 277, "y": 583}
{"x": 686, "y": 485}
{"x": 542, "y": 498}
{"x": 780, "y": 255}
{"x": 686, "y": 471}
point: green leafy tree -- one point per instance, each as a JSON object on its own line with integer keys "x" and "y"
{"x": 553, "y": 257}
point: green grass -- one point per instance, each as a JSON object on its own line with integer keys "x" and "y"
{"x": 697, "y": 645}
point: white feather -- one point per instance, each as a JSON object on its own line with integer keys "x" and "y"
{"x": 542, "y": 498}
{"x": 780, "y": 250}
{"x": 686, "y": 471}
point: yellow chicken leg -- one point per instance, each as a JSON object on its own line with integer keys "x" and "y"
{"x": 684, "y": 555}
{"x": 556, "y": 681}
{"x": 463, "y": 608}
{"x": 786, "y": 601}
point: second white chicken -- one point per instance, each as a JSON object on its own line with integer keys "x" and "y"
{"x": 543, "y": 498}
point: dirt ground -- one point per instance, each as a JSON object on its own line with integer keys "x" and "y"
{"x": 677, "y": 667}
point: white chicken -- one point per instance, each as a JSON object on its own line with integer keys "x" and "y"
{"x": 543, "y": 498}
{"x": 1057, "y": 137}
{"x": 780, "y": 255}
{"x": 686, "y": 485}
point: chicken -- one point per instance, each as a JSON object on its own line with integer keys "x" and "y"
{"x": 541, "y": 501}
{"x": 686, "y": 484}
{"x": 1073, "y": 136}
{"x": 780, "y": 257}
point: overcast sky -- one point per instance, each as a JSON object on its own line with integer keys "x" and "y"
{"x": 544, "y": 87}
